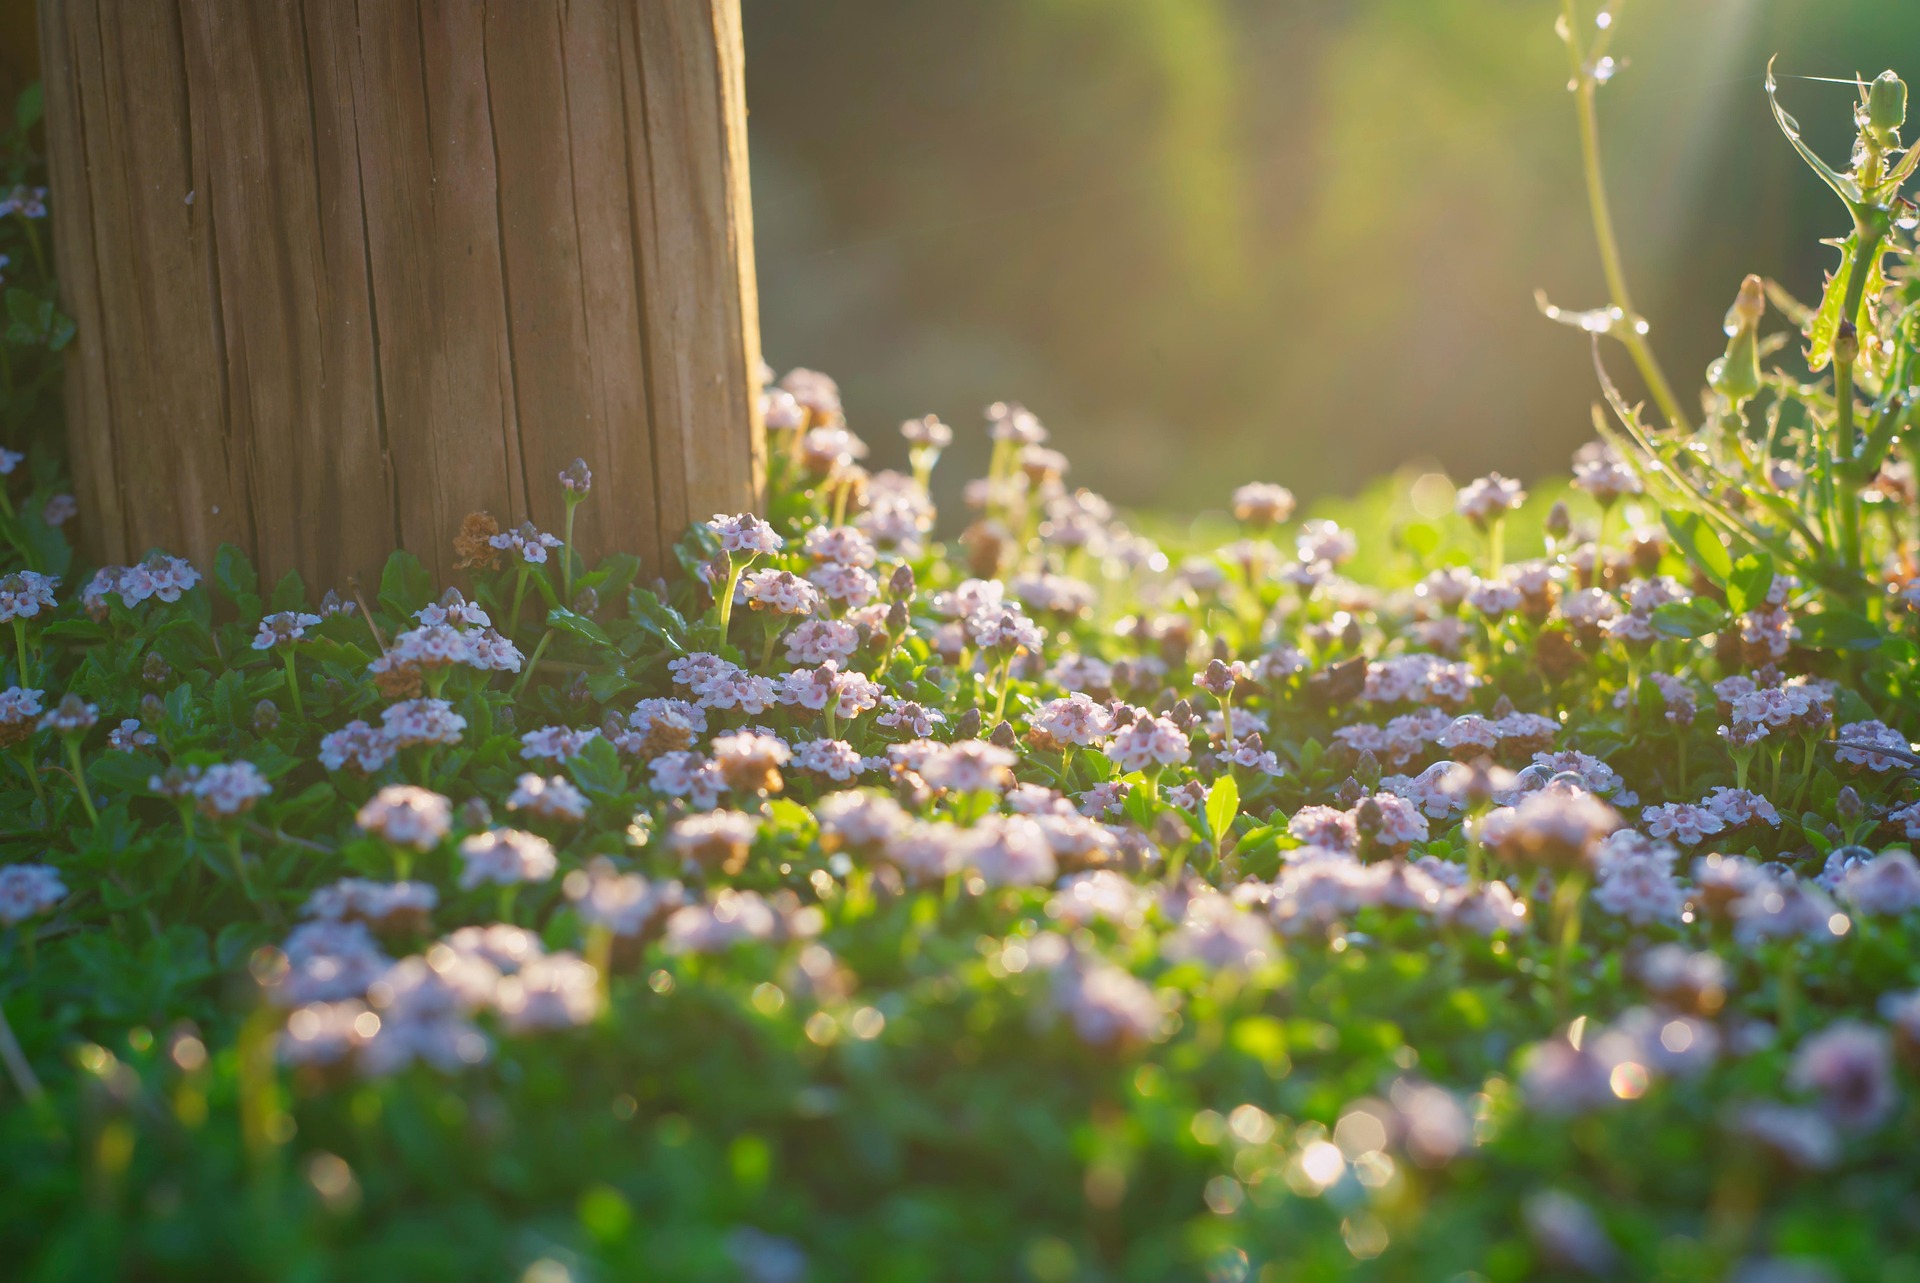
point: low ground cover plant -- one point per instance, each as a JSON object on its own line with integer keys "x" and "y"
{"x": 1042, "y": 902}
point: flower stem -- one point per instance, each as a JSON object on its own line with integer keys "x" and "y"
{"x": 1867, "y": 241}
{"x": 734, "y": 570}
{"x": 17, "y": 1067}
{"x": 293, "y": 683}
{"x": 1566, "y": 912}
{"x": 80, "y": 778}
{"x": 33, "y": 774}
{"x": 20, "y": 648}
{"x": 1585, "y": 88}
{"x": 566, "y": 564}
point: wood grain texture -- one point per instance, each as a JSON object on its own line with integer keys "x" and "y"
{"x": 347, "y": 270}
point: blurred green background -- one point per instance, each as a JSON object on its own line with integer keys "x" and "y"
{"x": 1293, "y": 240}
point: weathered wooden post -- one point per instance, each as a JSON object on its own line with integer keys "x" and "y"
{"x": 345, "y": 272}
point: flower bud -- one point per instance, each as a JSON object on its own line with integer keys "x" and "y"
{"x": 1887, "y": 103}
{"x": 897, "y": 619}
{"x": 900, "y": 584}
{"x": 156, "y": 670}
{"x": 1559, "y": 521}
{"x": 152, "y": 709}
{"x": 968, "y": 727}
{"x": 266, "y": 716}
{"x": 1736, "y": 375}
{"x": 586, "y": 601}
{"x": 1846, "y": 344}
{"x": 475, "y": 814}
{"x": 1217, "y": 680}
{"x": 1003, "y": 737}
{"x": 576, "y": 478}
{"x": 1350, "y": 793}
{"x": 1848, "y": 806}
{"x": 1367, "y": 769}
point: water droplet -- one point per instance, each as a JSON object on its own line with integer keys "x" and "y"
{"x": 1603, "y": 19}
{"x": 1604, "y": 69}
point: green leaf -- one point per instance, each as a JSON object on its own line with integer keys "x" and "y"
{"x": 237, "y": 580}
{"x": 405, "y": 584}
{"x": 1843, "y": 186}
{"x": 1838, "y": 630}
{"x": 1694, "y": 536}
{"x": 1223, "y": 804}
{"x": 578, "y": 625}
{"x": 123, "y": 772}
{"x": 290, "y": 593}
{"x": 597, "y": 769}
{"x": 1689, "y": 619}
{"x": 1749, "y": 583}
{"x": 1825, "y": 324}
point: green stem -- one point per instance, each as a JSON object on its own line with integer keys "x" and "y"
{"x": 239, "y": 862}
{"x": 1840, "y": 449}
{"x": 774, "y": 629}
{"x": 1584, "y": 90}
{"x": 16, "y": 1061}
{"x": 80, "y": 778}
{"x": 519, "y": 594}
{"x": 1787, "y": 1008}
{"x": 533, "y": 660}
{"x": 1566, "y": 911}
{"x": 734, "y": 570}
{"x": 566, "y": 565}
{"x": 20, "y": 649}
{"x": 1806, "y": 772}
{"x": 293, "y": 683}
{"x": 1003, "y": 676}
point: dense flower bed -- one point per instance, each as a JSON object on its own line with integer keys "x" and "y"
{"x": 1453, "y": 885}
{"x": 853, "y": 907}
